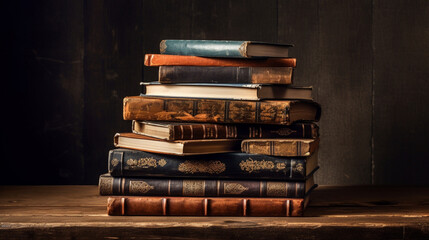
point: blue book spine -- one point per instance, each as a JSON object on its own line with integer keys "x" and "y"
{"x": 205, "y": 48}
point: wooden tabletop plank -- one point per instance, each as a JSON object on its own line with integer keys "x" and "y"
{"x": 67, "y": 212}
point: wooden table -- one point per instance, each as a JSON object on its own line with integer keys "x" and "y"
{"x": 77, "y": 212}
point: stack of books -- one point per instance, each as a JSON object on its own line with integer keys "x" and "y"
{"x": 221, "y": 133}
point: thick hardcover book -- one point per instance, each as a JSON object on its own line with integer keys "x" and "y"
{"x": 245, "y": 75}
{"x": 156, "y": 60}
{"x": 283, "y": 112}
{"x": 187, "y": 131}
{"x": 195, "y": 206}
{"x": 223, "y": 48}
{"x": 280, "y": 147}
{"x": 180, "y": 147}
{"x": 226, "y": 91}
{"x": 129, "y": 186}
{"x": 131, "y": 163}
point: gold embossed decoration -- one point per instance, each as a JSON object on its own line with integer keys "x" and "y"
{"x": 139, "y": 187}
{"x": 234, "y": 188}
{"x": 162, "y": 162}
{"x": 210, "y": 167}
{"x": 106, "y": 186}
{"x": 194, "y": 188}
{"x": 276, "y": 189}
{"x": 299, "y": 168}
{"x": 114, "y": 162}
{"x": 251, "y": 165}
{"x": 146, "y": 162}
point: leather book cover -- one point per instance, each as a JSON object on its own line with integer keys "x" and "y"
{"x": 189, "y": 131}
{"x": 133, "y": 163}
{"x": 156, "y": 60}
{"x": 221, "y": 48}
{"x": 242, "y": 75}
{"x": 195, "y": 206}
{"x": 284, "y": 112}
{"x": 134, "y": 186}
{"x": 280, "y": 147}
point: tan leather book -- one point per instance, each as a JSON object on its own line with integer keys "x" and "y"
{"x": 280, "y": 147}
{"x": 196, "y": 206}
{"x": 155, "y": 60}
{"x": 284, "y": 112}
{"x": 184, "y": 147}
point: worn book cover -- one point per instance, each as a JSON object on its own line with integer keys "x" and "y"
{"x": 203, "y": 187}
{"x": 156, "y": 60}
{"x": 215, "y": 206}
{"x": 187, "y": 131}
{"x": 224, "y": 48}
{"x": 280, "y": 147}
{"x": 244, "y": 75}
{"x": 284, "y": 112}
{"x": 132, "y": 163}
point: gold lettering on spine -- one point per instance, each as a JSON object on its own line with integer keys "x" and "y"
{"x": 234, "y": 188}
{"x": 194, "y": 188}
{"x": 139, "y": 187}
{"x": 276, "y": 189}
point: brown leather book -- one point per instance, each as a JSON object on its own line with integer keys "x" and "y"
{"x": 225, "y": 75}
{"x": 280, "y": 147}
{"x": 156, "y": 60}
{"x": 284, "y": 112}
{"x": 195, "y": 206}
{"x": 186, "y": 131}
{"x": 183, "y": 147}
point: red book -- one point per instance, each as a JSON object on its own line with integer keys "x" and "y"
{"x": 155, "y": 60}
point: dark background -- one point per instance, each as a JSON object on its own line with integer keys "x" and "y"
{"x": 69, "y": 64}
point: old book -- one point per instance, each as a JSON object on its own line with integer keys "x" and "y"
{"x": 244, "y": 75}
{"x": 187, "y": 131}
{"x": 131, "y": 163}
{"x": 196, "y": 206}
{"x": 223, "y": 48}
{"x": 183, "y": 147}
{"x": 280, "y": 147}
{"x": 283, "y": 112}
{"x": 132, "y": 186}
{"x": 226, "y": 91}
{"x": 156, "y": 60}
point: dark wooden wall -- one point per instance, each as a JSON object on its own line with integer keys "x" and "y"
{"x": 70, "y": 63}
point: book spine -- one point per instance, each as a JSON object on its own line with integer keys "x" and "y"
{"x": 206, "y": 110}
{"x": 218, "y": 131}
{"x": 109, "y": 185}
{"x": 289, "y": 148}
{"x": 204, "y": 48}
{"x": 193, "y": 206}
{"x": 242, "y": 75}
{"x": 156, "y": 60}
{"x": 132, "y": 163}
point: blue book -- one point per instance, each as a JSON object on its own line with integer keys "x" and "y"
{"x": 224, "y": 48}
{"x": 124, "y": 162}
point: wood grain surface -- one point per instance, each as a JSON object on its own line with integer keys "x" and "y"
{"x": 78, "y": 212}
